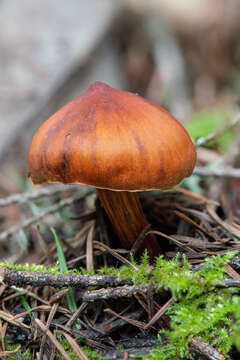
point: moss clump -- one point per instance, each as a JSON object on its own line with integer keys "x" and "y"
{"x": 32, "y": 268}
{"x": 200, "y": 309}
{"x": 208, "y": 317}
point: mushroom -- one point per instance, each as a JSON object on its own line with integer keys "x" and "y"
{"x": 119, "y": 143}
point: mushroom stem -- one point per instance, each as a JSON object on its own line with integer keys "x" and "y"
{"x": 125, "y": 213}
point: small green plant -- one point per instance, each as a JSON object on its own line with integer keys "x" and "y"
{"x": 63, "y": 268}
{"x": 26, "y": 306}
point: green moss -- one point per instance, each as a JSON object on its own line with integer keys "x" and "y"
{"x": 40, "y": 268}
{"x": 91, "y": 354}
{"x": 140, "y": 277}
{"x": 206, "y": 317}
{"x": 200, "y": 309}
{"x": 32, "y": 268}
{"x": 175, "y": 275}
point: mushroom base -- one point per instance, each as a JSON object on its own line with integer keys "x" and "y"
{"x": 125, "y": 213}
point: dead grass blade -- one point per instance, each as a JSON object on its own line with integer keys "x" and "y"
{"x": 198, "y": 197}
{"x": 190, "y": 221}
{"x": 202, "y": 216}
{"x": 231, "y": 229}
{"x": 10, "y": 319}
{"x": 3, "y": 329}
{"x": 7, "y": 353}
{"x": 89, "y": 248}
{"x": 49, "y": 320}
{"x": 133, "y": 322}
{"x": 114, "y": 253}
{"x": 41, "y": 308}
{"x": 76, "y": 314}
{"x": 159, "y": 313}
{"x": 232, "y": 273}
{"x": 76, "y": 348}
{"x": 20, "y": 292}
{"x": 171, "y": 238}
{"x": 140, "y": 239}
{"x": 52, "y": 338}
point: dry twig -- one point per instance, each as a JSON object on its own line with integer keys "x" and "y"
{"x": 227, "y": 172}
{"x": 33, "y": 220}
{"x": 232, "y": 273}
{"x": 229, "y": 283}
{"x": 229, "y": 228}
{"x": 41, "y": 192}
{"x": 23, "y": 278}
{"x": 6, "y": 316}
{"x": 21, "y": 292}
{"x": 77, "y": 313}
{"x": 112, "y": 293}
{"x": 43, "y": 308}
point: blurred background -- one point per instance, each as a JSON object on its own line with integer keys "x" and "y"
{"x": 184, "y": 55}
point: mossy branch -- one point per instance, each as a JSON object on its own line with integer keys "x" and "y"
{"x": 24, "y": 278}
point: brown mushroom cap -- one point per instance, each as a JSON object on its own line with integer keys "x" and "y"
{"x": 112, "y": 139}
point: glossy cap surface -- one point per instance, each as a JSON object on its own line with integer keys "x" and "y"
{"x": 114, "y": 140}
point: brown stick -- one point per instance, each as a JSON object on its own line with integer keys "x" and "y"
{"x": 125, "y": 212}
